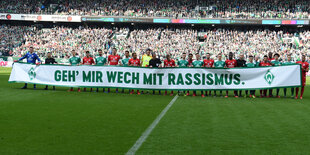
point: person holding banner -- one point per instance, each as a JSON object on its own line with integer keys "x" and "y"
{"x": 257, "y": 61}
{"x": 146, "y": 58}
{"x": 74, "y": 61}
{"x": 183, "y": 63}
{"x": 167, "y": 64}
{"x": 190, "y": 64}
{"x": 275, "y": 62}
{"x": 113, "y": 60}
{"x": 264, "y": 63}
{"x": 250, "y": 64}
{"x": 208, "y": 63}
{"x": 31, "y": 57}
{"x": 304, "y": 68}
{"x": 88, "y": 60}
{"x": 219, "y": 64}
{"x": 145, "y": 61}
{"x": 241, "y": 63}
{"x": 198, "y": 64}
{"x": 134, "y": 61}
{"x": 270, "y": 58}
{"x": 231, "y": 63}
{"x": 50, "y": 60}
{"x": 155, "y": 63}
{"x": 124, "y": 62}
{"x": 100, "y": 61}
{"x": 289, "y": 62}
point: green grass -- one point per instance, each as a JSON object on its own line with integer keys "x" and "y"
{"x": 61, "y": 122}
{"x": 5, "y": 70}
{"x": 238, "y": 126}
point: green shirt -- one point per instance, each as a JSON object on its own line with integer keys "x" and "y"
{"x": 219, "y": 64}
{"x": 183, "y": 63}
{"x": 100, "y": 61}
{"x": 256, "y": 63}
{"x": 125, "y": 61}
{"x": 250, "y": 65}
{"x": 197, "y": 63}
{"x": 75, "y": 61}
{"x": 276, "y": 62}
{"x": 288, "y": 63}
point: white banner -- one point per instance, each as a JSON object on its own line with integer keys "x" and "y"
{"x": 34, "y": 17}
{"x": 163, "y": 78}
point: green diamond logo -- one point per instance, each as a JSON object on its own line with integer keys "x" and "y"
{"x": 31, "y": 73}
{"x": 269, "y": 77}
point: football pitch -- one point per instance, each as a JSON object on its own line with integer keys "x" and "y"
{"x": 60, "y": 122}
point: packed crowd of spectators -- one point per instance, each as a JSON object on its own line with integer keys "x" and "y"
{"x": 12, "y": 37}
{"x": 252, "y": 9}
{"x": 62, "y": 40}
{"x": 24, "y": 6}
{"x": 257, "y": 42}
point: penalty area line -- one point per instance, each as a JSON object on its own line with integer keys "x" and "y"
{"x": 148, "y": 131}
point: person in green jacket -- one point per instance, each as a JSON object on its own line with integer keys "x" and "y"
{"x": 125, "y": 63}
{"x": 275, "y": 62}
{"x": 198, "y": 64}
{"x": 219, "y": 64}
{"x": 126, "y": 59}
{"x": 100, "y": 61}
{"x": 182, "y": 63}
{"x": 250, "y": 64}
{"x": 74, "y": 61}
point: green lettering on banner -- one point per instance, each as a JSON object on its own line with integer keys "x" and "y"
{"x": 197, "y": 79}
{"x": 228, "y": 80}
{"x": 180, "y": 79}
{"x": 237, "y": 78}
{"x": 64, "y": 76}
{"x": 111, "y": 76}
{"x": 126, "y": 77}
{"x": 219, "y": 80}
{"x": 71, "y": 76}
{"x": 119, "y": 77}
{"x": 57, "y": 75}
{"x": 93, "y": 76}
{"x": 188, "y": 77}
{"x": 203, "y": 79}
{"x": 171, "y": 78}
{"x": 210, "y": 79}
{"x": 160, "y": 75}
{"x": 135, "y": 78}
{"x": 87, "y": 78}
{"x": 147, "y": 79}
{"x": 99, "y": 76}
{"x": 154, "y": 79}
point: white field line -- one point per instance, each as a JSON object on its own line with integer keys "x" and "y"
{"x": 148, "y": 131}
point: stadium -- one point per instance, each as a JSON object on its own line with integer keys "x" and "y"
{"x": 154, "y": 77}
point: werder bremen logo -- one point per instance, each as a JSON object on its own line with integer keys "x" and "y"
{"x": 269, "y": 77}
{"x": 31, "y": 73}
